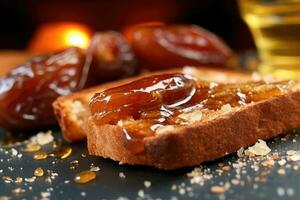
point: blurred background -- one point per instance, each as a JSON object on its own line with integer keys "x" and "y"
{"x": 24, "y": 23}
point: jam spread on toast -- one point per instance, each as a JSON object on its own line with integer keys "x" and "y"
{"x": 158, "y": 103}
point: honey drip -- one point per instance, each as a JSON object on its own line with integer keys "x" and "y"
{"x": 40, "y": 155}
{"x": 84, "y": 177}
{"x": 62, "y": 152}
{"x": 32, "y": 148}
{"x": 39, "y": 172}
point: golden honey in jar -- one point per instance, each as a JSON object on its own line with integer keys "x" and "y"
{"x": 275, "y": 26}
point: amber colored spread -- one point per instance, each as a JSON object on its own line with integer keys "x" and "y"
{"x": 146, "y": 106}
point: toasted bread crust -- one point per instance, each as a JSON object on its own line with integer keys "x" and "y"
{"x": 204, "y": 141}
{"x": 73, "y": 128}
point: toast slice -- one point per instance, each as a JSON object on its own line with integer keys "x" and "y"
{"x": 220, "y": 132}
{"x": 72, "y": 111}
{"x": 181, "y": 146}
{"x": 202, "y": 141}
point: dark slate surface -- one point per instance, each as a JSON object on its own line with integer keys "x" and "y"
{"x": 108, "y": 184}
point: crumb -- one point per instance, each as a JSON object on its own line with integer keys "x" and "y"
{"x": 83, "y": 194}
{"x": 217, "y": 189}
{"x": 280, "y": 191}
{"x": 7, "y": 179}
{"x": 147, "y": 184}
{"x": 268, "y": 163}
{"x": 235, "y": 181}
{"x": 293, "y": 155}
{"x": 17, "y": 191}
{"x": 14, "y": 152}
{"x": 225, "y": 168}
{"x": 173, "y": 187}
{"x": 42, "y": 138}
{"x": 282, "y": 162}
{"x": 45, "y": 194}
{"x": 19, "y": 180}
{"x": 181, "y": 191}
{"x": 141, "y": 193}
{"x": 290, "y": 191}
{"x": 30, "y": 180}
{"x": 74, "y": 162}
{"x": 281, "y": 171}
{"x": 94, "y": 168}
{"x": 122, "y": 175}
{"x": 259, "y": 149}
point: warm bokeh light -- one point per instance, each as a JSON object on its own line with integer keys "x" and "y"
{"x": 75, "y": 37}
{"x": 57, "y": 36}
{"x": 128, "y": 30}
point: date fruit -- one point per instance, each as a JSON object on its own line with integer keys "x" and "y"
{"x": 110, "y": 57}
{"x": 27, "y": 91}
{"x": 178, "y": 45}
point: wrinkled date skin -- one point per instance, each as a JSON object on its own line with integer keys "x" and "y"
{"x": 110, "y": 57}
{"x": 27, "y": 92}
{"x": 177, "y": 45}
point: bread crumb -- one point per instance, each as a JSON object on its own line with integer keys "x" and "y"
{"x": 30, "y": 180}
{"x": 217, "y": 189}
{"x": 14, "y": 152}
{"x": 42, "y": 138}
{"x": 181, "y": 191}
{"x": 290, "y": 191}
{"x": 259, "y": 149}
{"x": 17, "y": 191}
{"x": 45, "y": 194}
{"x": 147, "y": 184}
{"x": 7, "y": 179}
{"x": 19, "y": 180}
{"x": 240, "y": 152}
{"x": 282, "y": 162}
{"x": 225, "y": 168}
{"x": 141, "y": 193}
{"x": 268, "y": 163}
{"x": 280, "y": 191}
{"x": 281, "y": 171}
{"x": 293, "y": 155}
{"x": 95, "y": 169}
{"x": 122, "y": 175}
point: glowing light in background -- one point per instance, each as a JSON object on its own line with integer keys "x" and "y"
{"x": 57, "y": 36}
{"x": 75, "y": 37}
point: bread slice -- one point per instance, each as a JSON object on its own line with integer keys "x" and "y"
{"x": 203, "y": 141}
{"x": 182, "y": 146}
{"x": 225, "y": 132}
{"x": 72, "y": 111}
